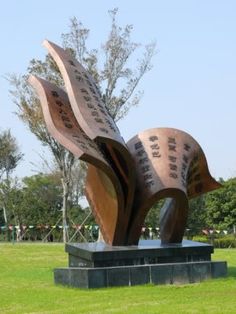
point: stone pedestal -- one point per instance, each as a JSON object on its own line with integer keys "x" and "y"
{"x": 96, "y": 265}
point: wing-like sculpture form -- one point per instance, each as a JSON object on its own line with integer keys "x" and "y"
{"x": 63, "y": 126}
{"x": 123, "y": 181}
{"x": 95, "y": 121}
{"x": 169, "y": 164}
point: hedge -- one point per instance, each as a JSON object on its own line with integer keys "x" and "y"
{"x": 218, "y": 242}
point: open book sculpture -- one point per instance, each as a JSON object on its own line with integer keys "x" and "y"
{"x": 124, "y": 180}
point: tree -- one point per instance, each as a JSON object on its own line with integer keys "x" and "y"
{"x": 41, "y": 200}
{"x": 153, "y": 216}
{"x": 116, "y": 79}
{"x": 35, "y": 201}
{"x": 77, "y": 182}
{"x": 221, "y": 206}
{"x": 10, "y": 156}
{"x": 197, "y": 215}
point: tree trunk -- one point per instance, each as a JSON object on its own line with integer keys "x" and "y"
{"x": 5, "y": 214}
{"x": 65, "y": 185}
{"x": 6, "y": 197}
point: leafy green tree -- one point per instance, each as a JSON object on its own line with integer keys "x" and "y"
{"x": 221, "y": 206}
{"x": 12, "y": 190}
{"x": 152, "y": 218}
{"x": 10, "y": 156}
{"x": 40, "y": 201}
{"x": 197, "y": 215}
{"x": 116, "y": 79}
{"x": 35, "y": 201}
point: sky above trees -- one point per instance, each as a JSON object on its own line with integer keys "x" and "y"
{"x": 191, "y": 86}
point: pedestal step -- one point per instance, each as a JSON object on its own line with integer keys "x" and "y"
{"x": 96, "y": 265}
{"x": 173, "y": 273}
{"x": 100, "y": 254}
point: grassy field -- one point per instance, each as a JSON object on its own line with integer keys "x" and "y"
{"x": 26, "y": 286}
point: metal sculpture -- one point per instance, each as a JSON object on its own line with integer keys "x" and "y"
{"x": 124, "y": 180}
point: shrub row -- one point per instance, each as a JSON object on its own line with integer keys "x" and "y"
{"x": 219, "y": 242}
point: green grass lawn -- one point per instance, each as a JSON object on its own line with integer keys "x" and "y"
{"x": 26, "y": 286}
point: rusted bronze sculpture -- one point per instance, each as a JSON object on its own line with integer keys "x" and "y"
{"x": 123, "y": 180}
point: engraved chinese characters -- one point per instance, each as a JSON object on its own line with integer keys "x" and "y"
{"x": 94, "y": 119}
{"x": 61, "y": 121}
{"x": 169, "y": 164}
{"x": 84, "y": 96}
{"x": 123, "y": 180}
{"x": 62, "y": 124}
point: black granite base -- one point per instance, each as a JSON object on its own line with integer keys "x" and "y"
{"x": 96, "y": 265}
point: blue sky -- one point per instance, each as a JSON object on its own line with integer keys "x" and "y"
{"x": 192, "y": 85}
